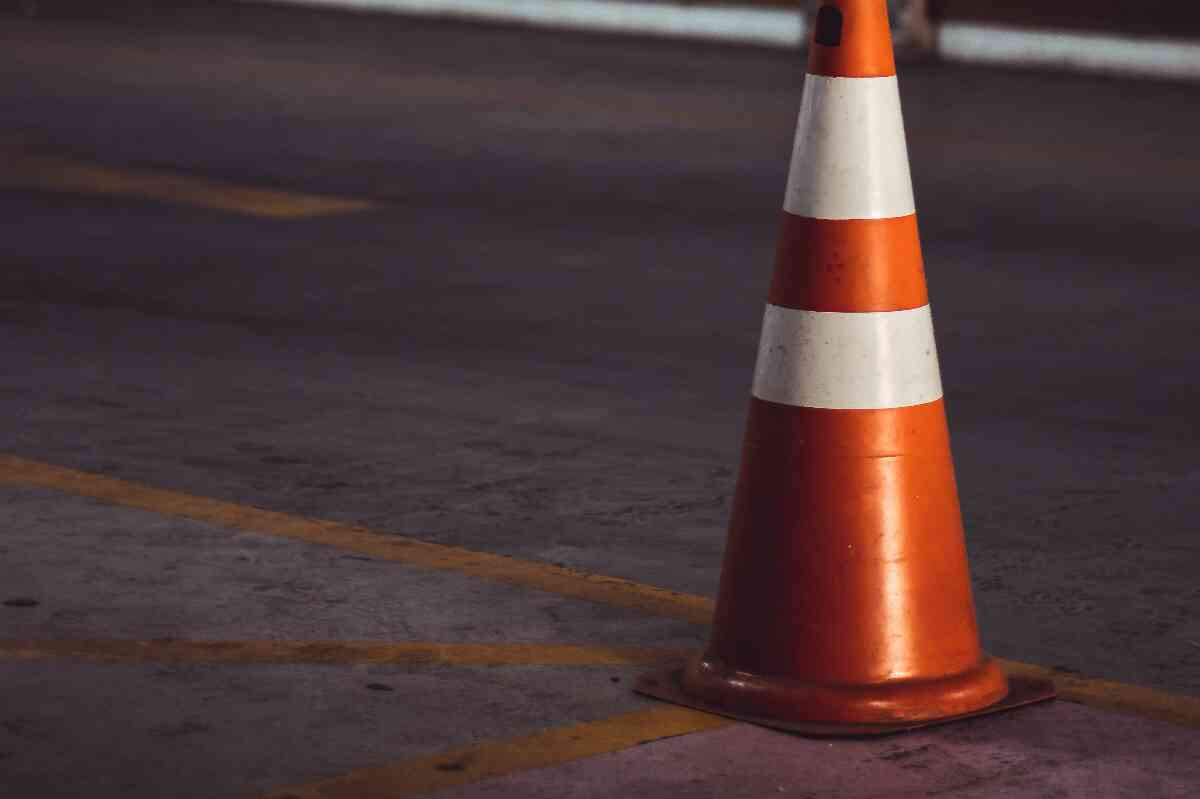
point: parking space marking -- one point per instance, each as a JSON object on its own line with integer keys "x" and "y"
{"x": 1132, "y": 700}
{"x": 413, "y": 653}
{"x": 46, "y": 173}
{"x": 385, "y": 546}
{"x": 614, "y": 591}
{"x": 470, "y": 764}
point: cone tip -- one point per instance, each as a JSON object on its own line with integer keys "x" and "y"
{"x": 852, "y": 39}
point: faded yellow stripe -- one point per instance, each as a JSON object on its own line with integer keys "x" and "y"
{"x": 498, "y": 758}
{"x": 1133, "y": 700}
{"x": 333, "y": 653}
{"x": 530, "y": 574}
{"x": 54, "y": 174}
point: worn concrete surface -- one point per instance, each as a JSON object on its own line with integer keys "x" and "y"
{"x": 212, "y": 731}
{"x": 98, "y": 571}
{"x": 197, "y": 730}
{"x": 540, "y": 343}
{"x": 1055, "y": 751}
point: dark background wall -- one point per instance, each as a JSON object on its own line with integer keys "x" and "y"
{"x": 1149, "y": 17}
{"x": 1142, "y": 17}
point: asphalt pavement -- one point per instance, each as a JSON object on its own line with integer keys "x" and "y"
{"x": 537, "y": 339}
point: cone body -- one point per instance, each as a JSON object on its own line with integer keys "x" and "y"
{"x": 845, "y": 595}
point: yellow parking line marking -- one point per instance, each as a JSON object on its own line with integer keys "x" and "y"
{"x": 1136, "y": 700}
{"x": 497, "y": 758}
{"x": 415, "y": 653}
{"x": 1133, "y": 700}
{"x": 56, "y": 174}
{"x": 398, "y": 548}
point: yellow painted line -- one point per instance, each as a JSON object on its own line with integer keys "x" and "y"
{"x": 333, "y": 653}
{"x": 470, "y": 764}
{"x": 1133, "y": 700}
{"x": 614, "y": 591}
{"x": 56, "y": 174}
{"x": 401, "y": 549}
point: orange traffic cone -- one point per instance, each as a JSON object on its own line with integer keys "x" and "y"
{"x": 845, "y": 601}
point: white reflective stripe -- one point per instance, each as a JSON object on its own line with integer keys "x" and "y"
{"x": 850, "y": 159}
{"x": 817, "y": 359}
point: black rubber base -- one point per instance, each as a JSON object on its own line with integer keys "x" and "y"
{"x": 666, "y": 684}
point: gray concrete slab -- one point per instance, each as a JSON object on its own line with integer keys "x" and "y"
{"x": 1052, "y": 751}
{"x": 204, "y": 731}
{"x": 97, "y": 571}
{"x": 86, "y": 570}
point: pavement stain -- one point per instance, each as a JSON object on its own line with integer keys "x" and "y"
{"x": 180, "y": 730}
{"x": 332, "y": 485}
{"x": 904, "y": 754}
{"x": 1060, "y": 668}
{"x": 379, "y": 686}
{"x": 459, "y": 764}
{"x": 23, "y": 727}
{"x": 283, "y": 460}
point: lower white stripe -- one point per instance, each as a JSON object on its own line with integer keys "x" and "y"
{"x": 815, "y": 359}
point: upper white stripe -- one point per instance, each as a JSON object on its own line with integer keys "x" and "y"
{"x": 816, "y": 359}
{"x": 851, "y": 158}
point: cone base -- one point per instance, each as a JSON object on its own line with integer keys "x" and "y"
{"x": 897, "y": 702}
{"x": 668, "y": 685}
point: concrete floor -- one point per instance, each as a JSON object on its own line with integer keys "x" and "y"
{"x": 1059, "y": 751}
{"x": 537, "y": 343}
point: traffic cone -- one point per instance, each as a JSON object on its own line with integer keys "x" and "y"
{"x": 845, "y": 600}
